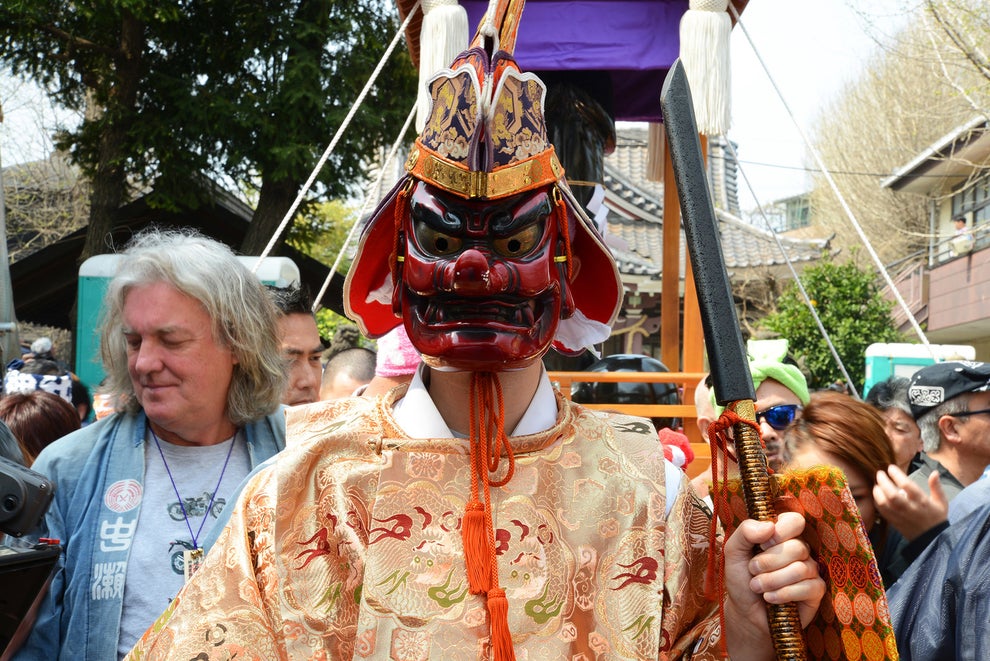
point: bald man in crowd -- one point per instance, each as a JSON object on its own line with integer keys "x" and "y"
{"x": 346, "y": 372}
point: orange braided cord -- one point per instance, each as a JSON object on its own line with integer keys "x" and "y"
{"x": 487, "y": 441}
{"x": 560, "y": 210}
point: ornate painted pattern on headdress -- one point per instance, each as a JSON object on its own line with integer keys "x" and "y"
{"x": 485, "y": 143}
{"x": 517, "y": 125}
{"x": 455, "y": 115}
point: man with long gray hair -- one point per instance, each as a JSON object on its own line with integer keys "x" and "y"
{"x": 190, "y": 347}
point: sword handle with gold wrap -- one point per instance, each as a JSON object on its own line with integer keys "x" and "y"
{"x": 785, "y": 624}
{"x": 731, "y": 377}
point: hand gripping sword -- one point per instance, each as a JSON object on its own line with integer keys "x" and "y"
{"x": 723, "y": 338}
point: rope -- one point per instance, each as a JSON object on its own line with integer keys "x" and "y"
{"x": 797, "y": 279}
{"x": 718, "y": 440}
{"x": 487, "y": 27}
{"x": 336, "y": 138}
{"x": 835, "y": 189}
{"x": 488, "y": 441}
{"x": 560, "y": 209}
{"x": 364, "y": 208}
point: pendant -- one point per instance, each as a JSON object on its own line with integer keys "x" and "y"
{"x": 192, "y": 559}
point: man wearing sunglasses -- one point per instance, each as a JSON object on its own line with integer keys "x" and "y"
{"x": 951, "y": 404}
{"x": 781, "y": 391}
{"x": 939, "y": 604}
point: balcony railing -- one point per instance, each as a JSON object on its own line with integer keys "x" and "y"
{"x": 911, "y": 281}
{"x": 940, "y": 293}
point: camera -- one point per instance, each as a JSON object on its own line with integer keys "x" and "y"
{"x": 24, "y": 498}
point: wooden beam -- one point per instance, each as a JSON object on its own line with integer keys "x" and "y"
{"x": 694, "y": 345}
{"x": 670, "y": 308}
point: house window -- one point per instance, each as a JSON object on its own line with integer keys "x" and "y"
{"x": 798, "y": 212}
{"x": 973, "y": 203}
{"x": 973, "y": 200}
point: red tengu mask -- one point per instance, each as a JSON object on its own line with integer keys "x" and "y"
{"x": 481, "y": 250}
{"x": 479, "y": 285}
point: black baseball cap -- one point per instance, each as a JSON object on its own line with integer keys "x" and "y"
{"x": 938, "y": 383}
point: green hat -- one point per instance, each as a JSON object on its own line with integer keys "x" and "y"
{"x": 789, "y": 375}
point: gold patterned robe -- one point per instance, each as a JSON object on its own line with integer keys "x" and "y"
{"x": 349, "y": 547}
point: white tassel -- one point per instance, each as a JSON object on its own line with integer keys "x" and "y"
{"x": 705, "y": 29}
{"x": 578, "y": 332}
{"x": 442, "y": 37}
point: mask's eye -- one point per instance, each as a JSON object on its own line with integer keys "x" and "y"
{"x": 436, "y": 243}
{"x": 519, "y": 243}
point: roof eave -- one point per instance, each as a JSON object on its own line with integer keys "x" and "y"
{"x": 934, "y": 160}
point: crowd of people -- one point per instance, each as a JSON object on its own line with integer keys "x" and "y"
{"x": 916, "y": 459}
{"x": 469, "y": 512}
{"x": 203, "y": 361}
{"x": 440, "y": 498}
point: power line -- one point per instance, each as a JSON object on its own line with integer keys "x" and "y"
{"x": 835, "y": 189}
{"x": 880, "y": 175}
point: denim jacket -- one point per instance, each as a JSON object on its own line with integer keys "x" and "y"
{"x": 98, "y": 473}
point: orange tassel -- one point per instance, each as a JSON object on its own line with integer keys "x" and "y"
{"x": 401, "y": 209}
{"x": 501, "y": 639}
{"x": 718, "y": 435}
{"x": 475, "y": 540}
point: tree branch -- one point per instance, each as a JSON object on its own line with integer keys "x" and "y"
{"x": 953, "y": 34}
{"x": 79, "y": 42}
{"x": 945, "y": 71}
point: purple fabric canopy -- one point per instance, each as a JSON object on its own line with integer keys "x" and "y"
{"x": 634, "y": 41}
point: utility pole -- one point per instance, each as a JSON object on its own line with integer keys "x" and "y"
{"x": 9, "y": 341}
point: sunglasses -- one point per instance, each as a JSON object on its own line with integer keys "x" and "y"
{"x": 778, "y": 416}
{"x": 965, "y": 413}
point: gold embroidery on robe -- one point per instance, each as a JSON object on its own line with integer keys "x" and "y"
{"x": 349, "y": 547}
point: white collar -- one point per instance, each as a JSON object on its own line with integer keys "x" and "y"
{"x": 418, "y": 417}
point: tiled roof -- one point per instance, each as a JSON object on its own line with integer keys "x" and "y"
{"x": 635, "y": 220}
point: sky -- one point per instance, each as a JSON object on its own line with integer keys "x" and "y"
{"x": 28, "y": 121}
{"x": 811, "y": 49}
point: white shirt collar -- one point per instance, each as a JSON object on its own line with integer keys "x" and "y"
{"x": 418, "y": 417}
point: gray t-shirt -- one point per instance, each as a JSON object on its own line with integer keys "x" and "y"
{"x": 155, "y": 566}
